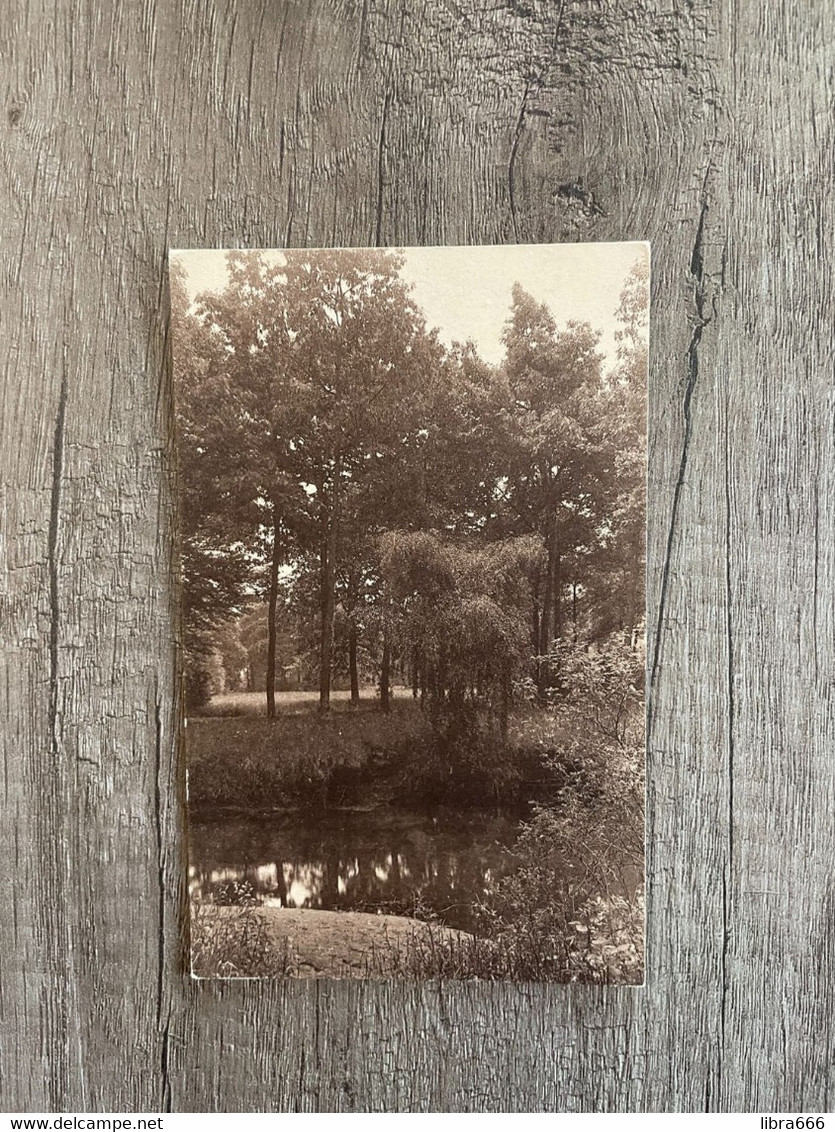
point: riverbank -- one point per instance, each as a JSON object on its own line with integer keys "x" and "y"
{"x": 367, "y": 757}
{"x": 388, "y": 815}
{"x": 253, "y": 941}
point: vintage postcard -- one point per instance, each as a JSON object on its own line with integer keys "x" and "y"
{"x": 412, "y": 506}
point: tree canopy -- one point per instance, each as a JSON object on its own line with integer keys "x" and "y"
{"x": 361, "y": 502}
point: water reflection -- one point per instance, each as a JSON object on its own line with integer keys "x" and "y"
{"x": 379, "y": 861}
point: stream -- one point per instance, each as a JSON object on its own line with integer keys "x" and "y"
{"x": 381, "y": 860}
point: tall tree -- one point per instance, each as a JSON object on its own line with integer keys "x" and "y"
{"x": 556, "y": 455}
{"x": 617, "y": 586}
{"x": 216, "y": 518}
{"x": 439, "y": 476}
{"x": 359, "y": 351}
{"x": 253, "y": 323}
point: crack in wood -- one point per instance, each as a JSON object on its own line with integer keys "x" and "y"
{"x": 697, "y": 271}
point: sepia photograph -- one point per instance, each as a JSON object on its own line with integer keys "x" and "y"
{"x": 412, "y": 534}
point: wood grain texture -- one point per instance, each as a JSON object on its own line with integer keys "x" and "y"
{"x": 705, "y": 128}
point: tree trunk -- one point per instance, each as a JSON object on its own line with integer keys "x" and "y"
{"x": 352, "y": 662}
{"x": 504, "y": 714}
{"x": 271, "y": 611}
{"x": 556, "y": 591}
{"x": 385, "y": 673}
{"x": 328, "y": 598}
{"x": 545, "y": 624}
{"x": 537, "y": 663}
{"x": 547, "y": 619}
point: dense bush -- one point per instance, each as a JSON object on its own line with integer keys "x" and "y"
{"x": 204, "y": 675}
{"x": 605, "y": 945}
{"x": 457, "y": 755}
{"x": 573, "y": 908}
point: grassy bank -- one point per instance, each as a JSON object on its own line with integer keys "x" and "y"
{"x": 604, "y": 944}
{"x": 361, "y": 757}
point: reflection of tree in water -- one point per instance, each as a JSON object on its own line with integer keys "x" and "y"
{"x": 358, "y": 862}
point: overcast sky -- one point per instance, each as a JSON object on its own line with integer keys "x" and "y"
{"x": 465, "y": 292}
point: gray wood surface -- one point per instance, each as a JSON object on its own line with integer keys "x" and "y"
{"x": 704, "y": 127}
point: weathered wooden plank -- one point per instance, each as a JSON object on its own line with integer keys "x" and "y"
{"x": 704, "y": 129}
{"x": 777, "y": 351}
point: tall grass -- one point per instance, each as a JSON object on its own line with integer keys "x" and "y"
{"x": 606, "y": 949}
{"x": 233, "y": 942}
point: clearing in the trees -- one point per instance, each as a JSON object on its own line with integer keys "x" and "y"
{"x": 412, "y": 508}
